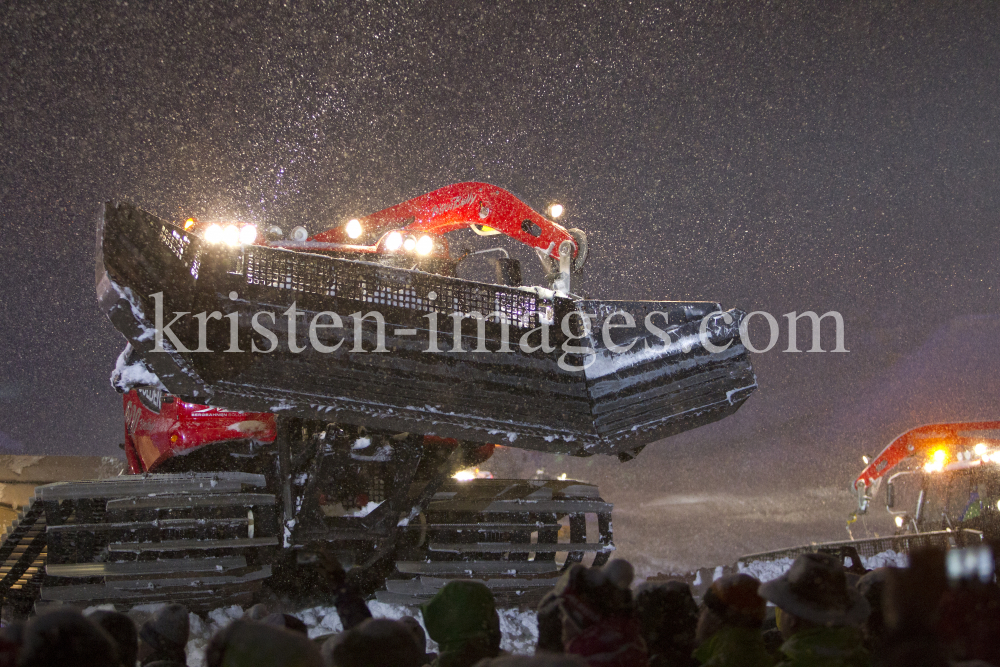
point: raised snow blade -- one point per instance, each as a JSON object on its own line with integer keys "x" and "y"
{"x": 666, "y": 383}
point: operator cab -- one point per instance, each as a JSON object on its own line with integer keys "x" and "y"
{"x": 963, "y": 495}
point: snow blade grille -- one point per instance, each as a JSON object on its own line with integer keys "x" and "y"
{"x": 370, "y": 283}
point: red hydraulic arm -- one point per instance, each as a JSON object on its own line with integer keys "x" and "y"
{"x": 483, "y": 207}
{"x": 954, "y": 438}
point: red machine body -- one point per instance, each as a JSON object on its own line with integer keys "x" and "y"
{"x": 159, "y": 426}
{"x": 955, "y": 440}
{"x": 953, "y": 470}
{"x": 485, "y": 208}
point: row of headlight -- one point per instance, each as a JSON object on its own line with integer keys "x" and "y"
{"x": 394, "y": 240}
{"x": 422, "y": 246}
{"x": 231, "y": 234}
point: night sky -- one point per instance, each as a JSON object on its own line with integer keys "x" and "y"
{"x": 772, "y": 158}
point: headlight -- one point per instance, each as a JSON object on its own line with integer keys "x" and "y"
{"x": 393, "y": 241}
{"x": 899, "y": 521}
{"x": 231, "y": 235}
{"x": 556, "y": 210}
{"x": 248, "y": 234}
{"x": 409, "y": 244}
{"x": 425, "y": 245}
{"x": 214, "y": 233}
{"x": 353, "y": 228}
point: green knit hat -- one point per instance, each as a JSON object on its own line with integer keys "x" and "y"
{"x": 460, "y": 611}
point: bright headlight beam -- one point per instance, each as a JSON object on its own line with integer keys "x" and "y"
{"x": 556, "y": 210}
{"x": 231, "y": 235}
{"x": 393, "y": 241}
{"x": 409, "y": 244}
{"x": 425, "y": 245}
{"x": 353, "y": 228}
{"x": 214, "y": 233}
{"x": 248, "y": 234}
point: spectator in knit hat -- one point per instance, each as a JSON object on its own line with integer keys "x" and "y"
{"x": 122, "y": 630}
{"x": 728, "y": 631}
{"x": 64, "y": 638}
{"x": 245, "y": 643}
{"x": 598, "y": 615}
{"x": 375, "y": 642}
{"x": 462, "y": 618}
{"x": 164, "y": 638}
{"x": 668, "y": 616}
{"x": 819, "y": 615}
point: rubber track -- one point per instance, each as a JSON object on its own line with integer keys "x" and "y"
{"x": 504, "y": 533}
{"x": 140, "y": 540}
{"x": 23, "y": 554}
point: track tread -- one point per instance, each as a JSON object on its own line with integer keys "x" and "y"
{"x": 464, "y": 520}
{"x": 67, "y": 545}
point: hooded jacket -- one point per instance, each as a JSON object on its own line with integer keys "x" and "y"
{"x": 462, "y": 619}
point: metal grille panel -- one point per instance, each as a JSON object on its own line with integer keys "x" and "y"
{"x": 385, "y": 286}
{"x": 175, "y": 240}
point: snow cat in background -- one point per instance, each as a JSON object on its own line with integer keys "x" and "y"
{"x": 942, "y": 489}
{"x": 939, "y": 478}
{"x": 288, "y": 396}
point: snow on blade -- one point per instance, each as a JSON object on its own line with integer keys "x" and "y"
{"x": 126, "y": 375}
{"x": 366, "y": 510}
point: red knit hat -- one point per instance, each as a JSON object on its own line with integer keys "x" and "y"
{"x": 734, "y": 597}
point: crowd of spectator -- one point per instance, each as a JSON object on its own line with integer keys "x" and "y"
{"x": 815, "y": 614}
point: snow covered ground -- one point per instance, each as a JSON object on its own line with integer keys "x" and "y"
{"x": 519, "y": 626}
{"x": 766, "y": 570}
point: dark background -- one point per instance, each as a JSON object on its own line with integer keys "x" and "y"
{"x": 766, "y": 155}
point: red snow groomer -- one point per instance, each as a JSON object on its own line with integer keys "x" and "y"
{"x": 288, "y": 394}
{"x": 942, "y": 489}
{"x": 939, "y": 478}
